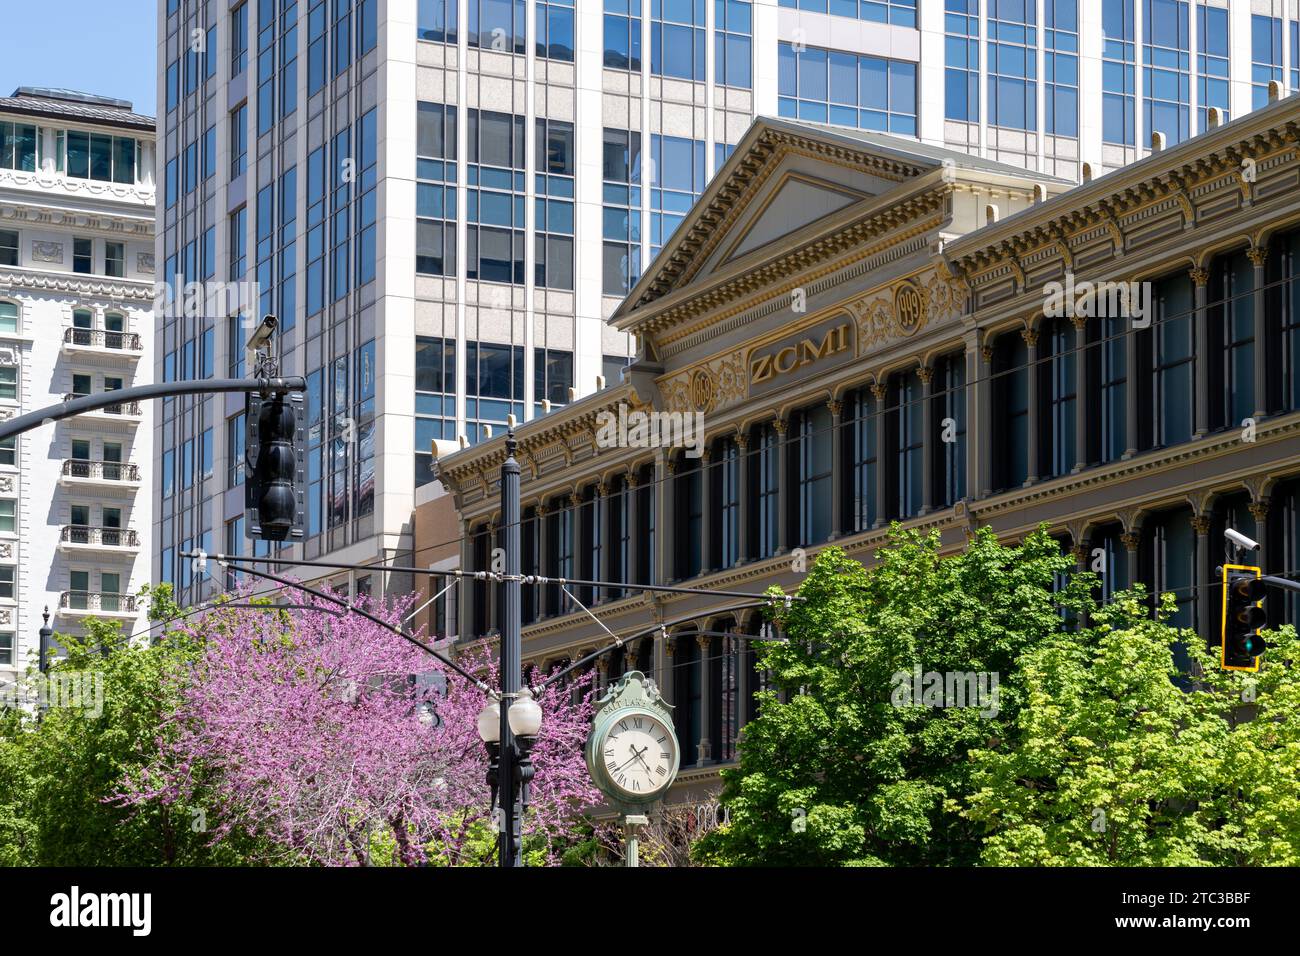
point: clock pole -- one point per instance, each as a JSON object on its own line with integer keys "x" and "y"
{"x": 514, "y": 794}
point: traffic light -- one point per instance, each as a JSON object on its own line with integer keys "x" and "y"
{"x": 1243, "y": 617}
{"x": 275, "y": 457}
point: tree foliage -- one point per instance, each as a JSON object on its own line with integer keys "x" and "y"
{"x": 59, "y": 773}
{"x": 840, "y": 769}
{"x": 306, "y": 729}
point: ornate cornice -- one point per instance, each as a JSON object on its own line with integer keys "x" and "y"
{"x": 55, "y": 185}
{"x": 72, "y": 283}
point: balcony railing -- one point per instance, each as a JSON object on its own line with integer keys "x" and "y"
{"x": 93, "y": 601}
{"x": 101, "y": 470}
{"x": 100, "y": 537}
{"x": 102, "y": 339}
{"x": 123, "y": 408}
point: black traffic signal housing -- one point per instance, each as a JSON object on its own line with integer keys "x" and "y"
{"x": 275, "y": 456}
{"x": 1243, "y": 617}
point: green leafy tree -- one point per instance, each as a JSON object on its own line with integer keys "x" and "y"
{"x": 1117, "y": 765}
{"x": 67, "y": 765}
{"x": 1099, "y": 751}
{"x": 849, "y": 770}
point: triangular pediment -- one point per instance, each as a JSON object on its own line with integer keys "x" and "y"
{"x": 795, "y": 201}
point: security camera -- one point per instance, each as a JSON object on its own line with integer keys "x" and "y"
{"x": 261, "y": 336}
{"x": 1240, "y": 540}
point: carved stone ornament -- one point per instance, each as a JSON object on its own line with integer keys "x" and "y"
{"x": 43, "y": 251}
{"x": 706, "y": 387}
{"x": 144, "y": 262}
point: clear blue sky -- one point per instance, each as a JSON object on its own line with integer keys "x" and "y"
{"x": 106, "y": 47}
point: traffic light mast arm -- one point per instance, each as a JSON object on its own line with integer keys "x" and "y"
{"x": 346, "y": 605}
{"x": 1280, "y": 582}
{"x": 90, "y": 403}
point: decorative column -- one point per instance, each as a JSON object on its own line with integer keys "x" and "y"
{"x": 490, "y": 588}
{"x": 464, "y": 590}
{"x": 1031, "y": 342}
{"x": 837, "y": 467}
{"x": 1082, "y": 397}
{"x": 543, "y": 559}
{"x": 633, "y": 572}
{"x": 602, "y": 673}
{"x": 706, "y": 510}
{"x": 781, "y": 426}
{"x": 1259, "y": 511}
{"x": 602, "y": 595}
{"x": 979, "y": 421}
{"x": 879, "y": 390}
{"x": 1131, "y": 540}
{"x": 662, "y": 655}
{"x": 1132, "y": 375}
{"x": 1200, "y": 364}
{"x": 1081, "y": 554}
{"x": 1204, "y": 611}
{"x": 579, "y": 530}
{"x": 743, "y": 498}
{"x": 743, "y": 690}
{"x": 706, "y": 700}
{"x": 665, "y": 532}
{"x": 1258, "y": 256}
{"x": 928, "y": 445}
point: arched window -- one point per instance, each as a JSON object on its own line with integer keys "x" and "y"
{"x": 1059, "y": 390}
{"x": 1231, "y": 335}
{"x": 765, "y": 479}
{"x": 949, "y": 396}
{"x": 725, "y": 472}
{"x": 1010, "y": 420}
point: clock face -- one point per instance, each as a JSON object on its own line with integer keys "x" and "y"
{"x": 639, "y": 754}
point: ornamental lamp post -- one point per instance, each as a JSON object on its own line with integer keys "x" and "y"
{"x": 508, "y": 725}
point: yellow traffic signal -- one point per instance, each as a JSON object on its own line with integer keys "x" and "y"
{"x": 1243, "y": 616}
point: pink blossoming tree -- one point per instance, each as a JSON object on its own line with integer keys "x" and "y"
{"x": 308, "y": 729}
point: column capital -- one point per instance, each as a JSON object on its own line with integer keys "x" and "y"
{"x": 542, "y": 511}
{"x": 1258, "y": 255}
{"x": 986, "y": 353}
{"x": 1259, "y": 509}
{"x": 1030, "y": 336}
{"x": 1200, "y": 277}
{"x": 1080, "y": 554}
{"x": 926, "y": 374}
{"x": 1130, "y": 540}
{"x": 779, "y": 425}
{"x": 879, "y": 390}
{"x": 703, "y": 641}
{"x": 836, "y": 406}
{"x": 630, "y": 480}
{"x": 742, "y": 441}
{"x": 1201, "y": 524}
{"x": 1079, "y": 322}
{"x": 575, "y": 499}
{"x": 670, "y": 466}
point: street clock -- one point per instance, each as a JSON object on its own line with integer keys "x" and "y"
{"x": 632, "y": 752}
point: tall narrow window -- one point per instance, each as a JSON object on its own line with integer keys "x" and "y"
{"x": 862, "y": 452}
{"x": 688, "y": 486}
{"x": 949, "y": 397}
{"x": 1231, "y": 317}
{"x": 621, "y": 213}
{"x": 905, "y": 418}
{"x": 1057, "y": 387}
{"x": 815, "y": 477}
{"x": 727, "y": 472}
{"x": 1173, "y": 362}
{"x": 1110, "y": 366}
{"x": 765, "y": 477}
{"x": 1010, "y": 388}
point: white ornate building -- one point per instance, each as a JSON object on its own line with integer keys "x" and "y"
{"x": 76, "y": 295}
